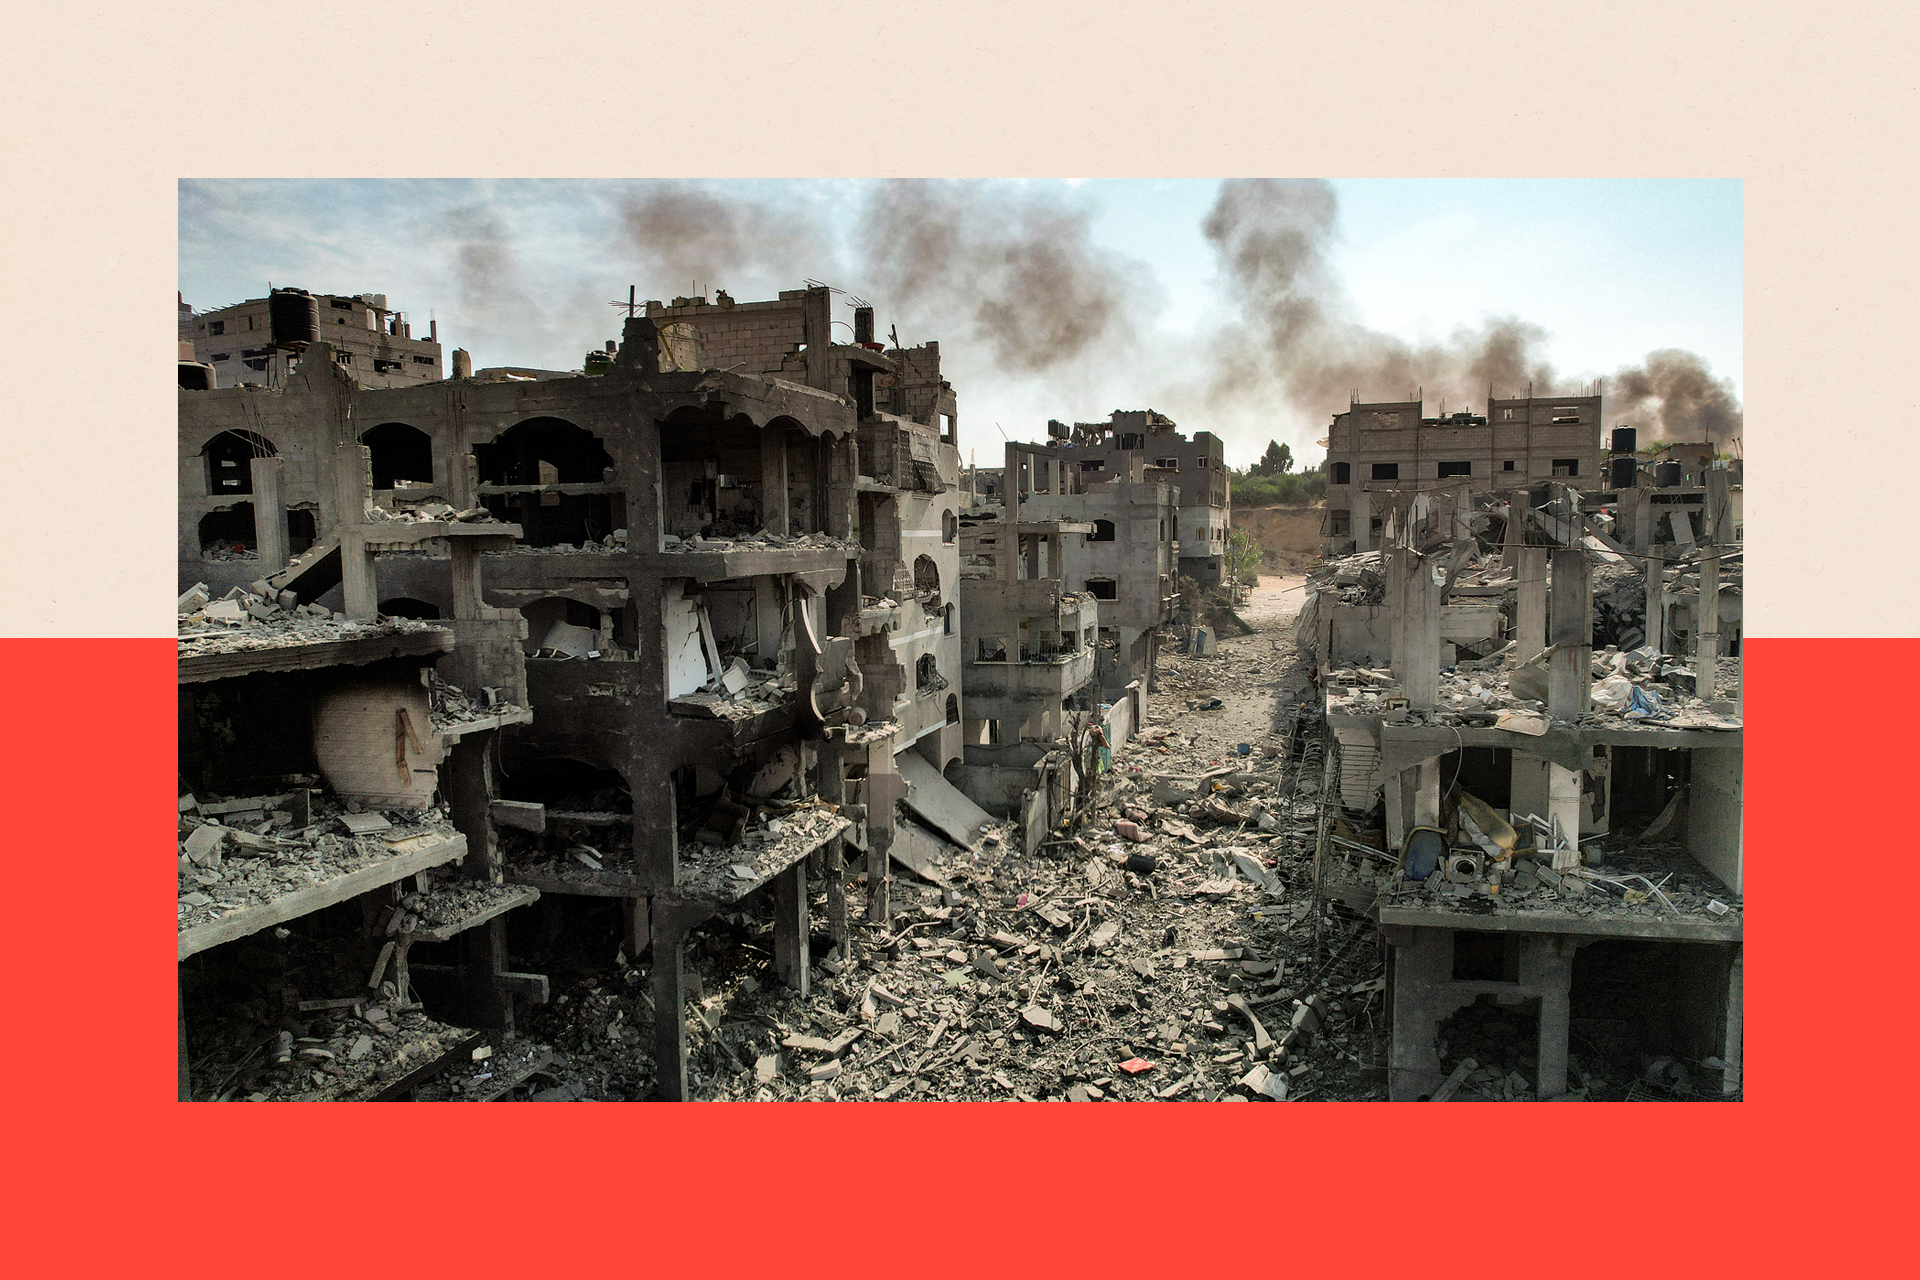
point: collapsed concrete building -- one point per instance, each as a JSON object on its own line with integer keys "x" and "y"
{"x": 1392, "y": 447}
{"x": 708, "y": 592}
{"x": 1544, "y": 823}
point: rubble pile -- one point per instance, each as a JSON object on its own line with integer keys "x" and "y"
{"x": 254, "y": 617}
{"x": 247, "y": 858}
{"x": 1164, "y": 949}
{"x": 761, "y": 541}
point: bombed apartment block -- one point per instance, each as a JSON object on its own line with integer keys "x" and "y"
{"x": 341, "y": 894}
{"x": 1195, "y": 470}
{"x": 721, "y": 598}
{"x": 1130, "y": 560}
{"x": 1533, "y": 786}
{"x": 259, "y": 342}
{"x": 1391, "y": 447}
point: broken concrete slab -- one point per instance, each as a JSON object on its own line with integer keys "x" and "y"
{"x": 940, "y": 802}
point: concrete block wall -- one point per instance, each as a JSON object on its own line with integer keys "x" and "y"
{"x": 757, "y": 335}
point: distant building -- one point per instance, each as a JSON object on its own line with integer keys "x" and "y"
{"x": 1394, "y": 446}
{"x": 1196, "y": 469}
{"x": 371, "y": 343}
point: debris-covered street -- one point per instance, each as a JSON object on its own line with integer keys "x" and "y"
{"x": 1058, "y": 973}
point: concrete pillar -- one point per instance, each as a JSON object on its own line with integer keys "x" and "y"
{"x": 773, "y": 480}
{"x": 1656, "y": 601}
{"x": 1706, "y": 627}
{"x": 790, "y": 927}
{"x": 1570, "y": 673}
{"x": 1552, "y": 972}
{"x": 833, "y": 790}
{"x": 1682, "y": 527}
{"x": 669, "y": 1009}
{"x": 1418, "y": 609}
{"x": 1719, "y": 506}
{"x": 1516, "y": 529}
{"x": 1426, "y": 795}
{"x": 1530, "y": 616}
{"x": 353, "y": 488}
{"x": 269, "y": 515}
{"x": 1639, "y": 523}
{"x": 1395, "y": 597}
{"x": 1563, "y": 804}
{"x": 1360, "y": 517}
{"x": 1731, "y": 1079}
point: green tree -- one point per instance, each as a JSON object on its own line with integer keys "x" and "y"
{"x": 1277, "y": 460}
{"x": 1243, "y": 559}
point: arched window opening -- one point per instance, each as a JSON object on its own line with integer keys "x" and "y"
{"x": 926, "y": 582}
{"x": 1102, "y": 531}
{"x": 949, "y": 527}
{"x": 949, "y": 612}
{"x": 927, "y": 677}
{"x": 228, "y": 534}
{"x": 229, "y": 456}
{"x": 953, "y": 708}
{"x": 562, "y": 629}
{"x": 400, "y": 452}
{"x": 550, "y": 477}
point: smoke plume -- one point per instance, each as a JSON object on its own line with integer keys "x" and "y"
{"x": 683, "y": 234}
{"x": 1674, "y": 396}
{"x": 1295, "y": 335}
{"x": 1015, "y": 271}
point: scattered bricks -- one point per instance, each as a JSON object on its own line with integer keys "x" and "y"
{"x": 1129, "y": 831}
{"x": 1103, "y": 936}
{"x": 766, "y": 1067}
{"x": 1219, "y": 953}
{"x": 361, "y": 1046}
{"x": 482, "y": 1053}
{"x": 825, "y": 1071}
{"x": 812, "y": 1044}
{"x": 1547, "y": 876}
{"x": 1718, "y": 907}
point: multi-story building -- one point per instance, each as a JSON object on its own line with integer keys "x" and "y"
{"x": 1195, "y": 469}
{"x": 1554, "y": 860}
{"x": 1393, "y": 446}
{"x": 733, "y": 591}
{"x": 372, "y": 344}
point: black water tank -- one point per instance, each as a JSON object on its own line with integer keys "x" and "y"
{"x": 1621, "y": 472}
{"x": 293, "y": 316}
{"x": 1625, "y": 439}
{"x": 1668, "y": 474}
{"x": 195, "y": 377}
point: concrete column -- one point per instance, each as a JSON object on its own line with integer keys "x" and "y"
{"x": 773, "y": 479}
{"x": 1571, "y": 672}
{"x": 790, "y": 927}
{"x": 1516, "y": 529}
{"x": 1656, "y": 601}
{"x": 1426, "y": 795}
{"x": 1563, "y": 803}
{"x": 833, "y": 790}
{"x": 1719, "y": 506}
{"x": 1395, "y": 597}
{"x": 669, "y": 1008}
{"x": 1396, "y": 805}
{"x": 353, "y": 488}
{"x": 269, "y": 515}
{"x": 1360, "y": 516}
{"x": 1420, "y": 634}
{"x": 1530, "y": 616}
{"x": 1706, "y": 627}
{"x": 1552, "y": 972}
{"x": 1639, "y": 524}
{"x": 1731, "y": 1079}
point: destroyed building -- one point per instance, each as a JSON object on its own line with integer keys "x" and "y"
{"x": 1390, "y": 447}
{"x": 729, "y": 563}
{"x": 258, "y": 342}
{"x": 1195, "y": 470}
{"x": 1537, "y": 804}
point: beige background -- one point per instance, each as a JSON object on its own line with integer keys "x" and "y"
{"x": 1813, "y": 108}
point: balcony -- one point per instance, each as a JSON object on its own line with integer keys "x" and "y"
{"x": 1043, "y": 677}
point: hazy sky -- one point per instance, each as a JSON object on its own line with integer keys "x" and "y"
{"x": 1252, "y": 309}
